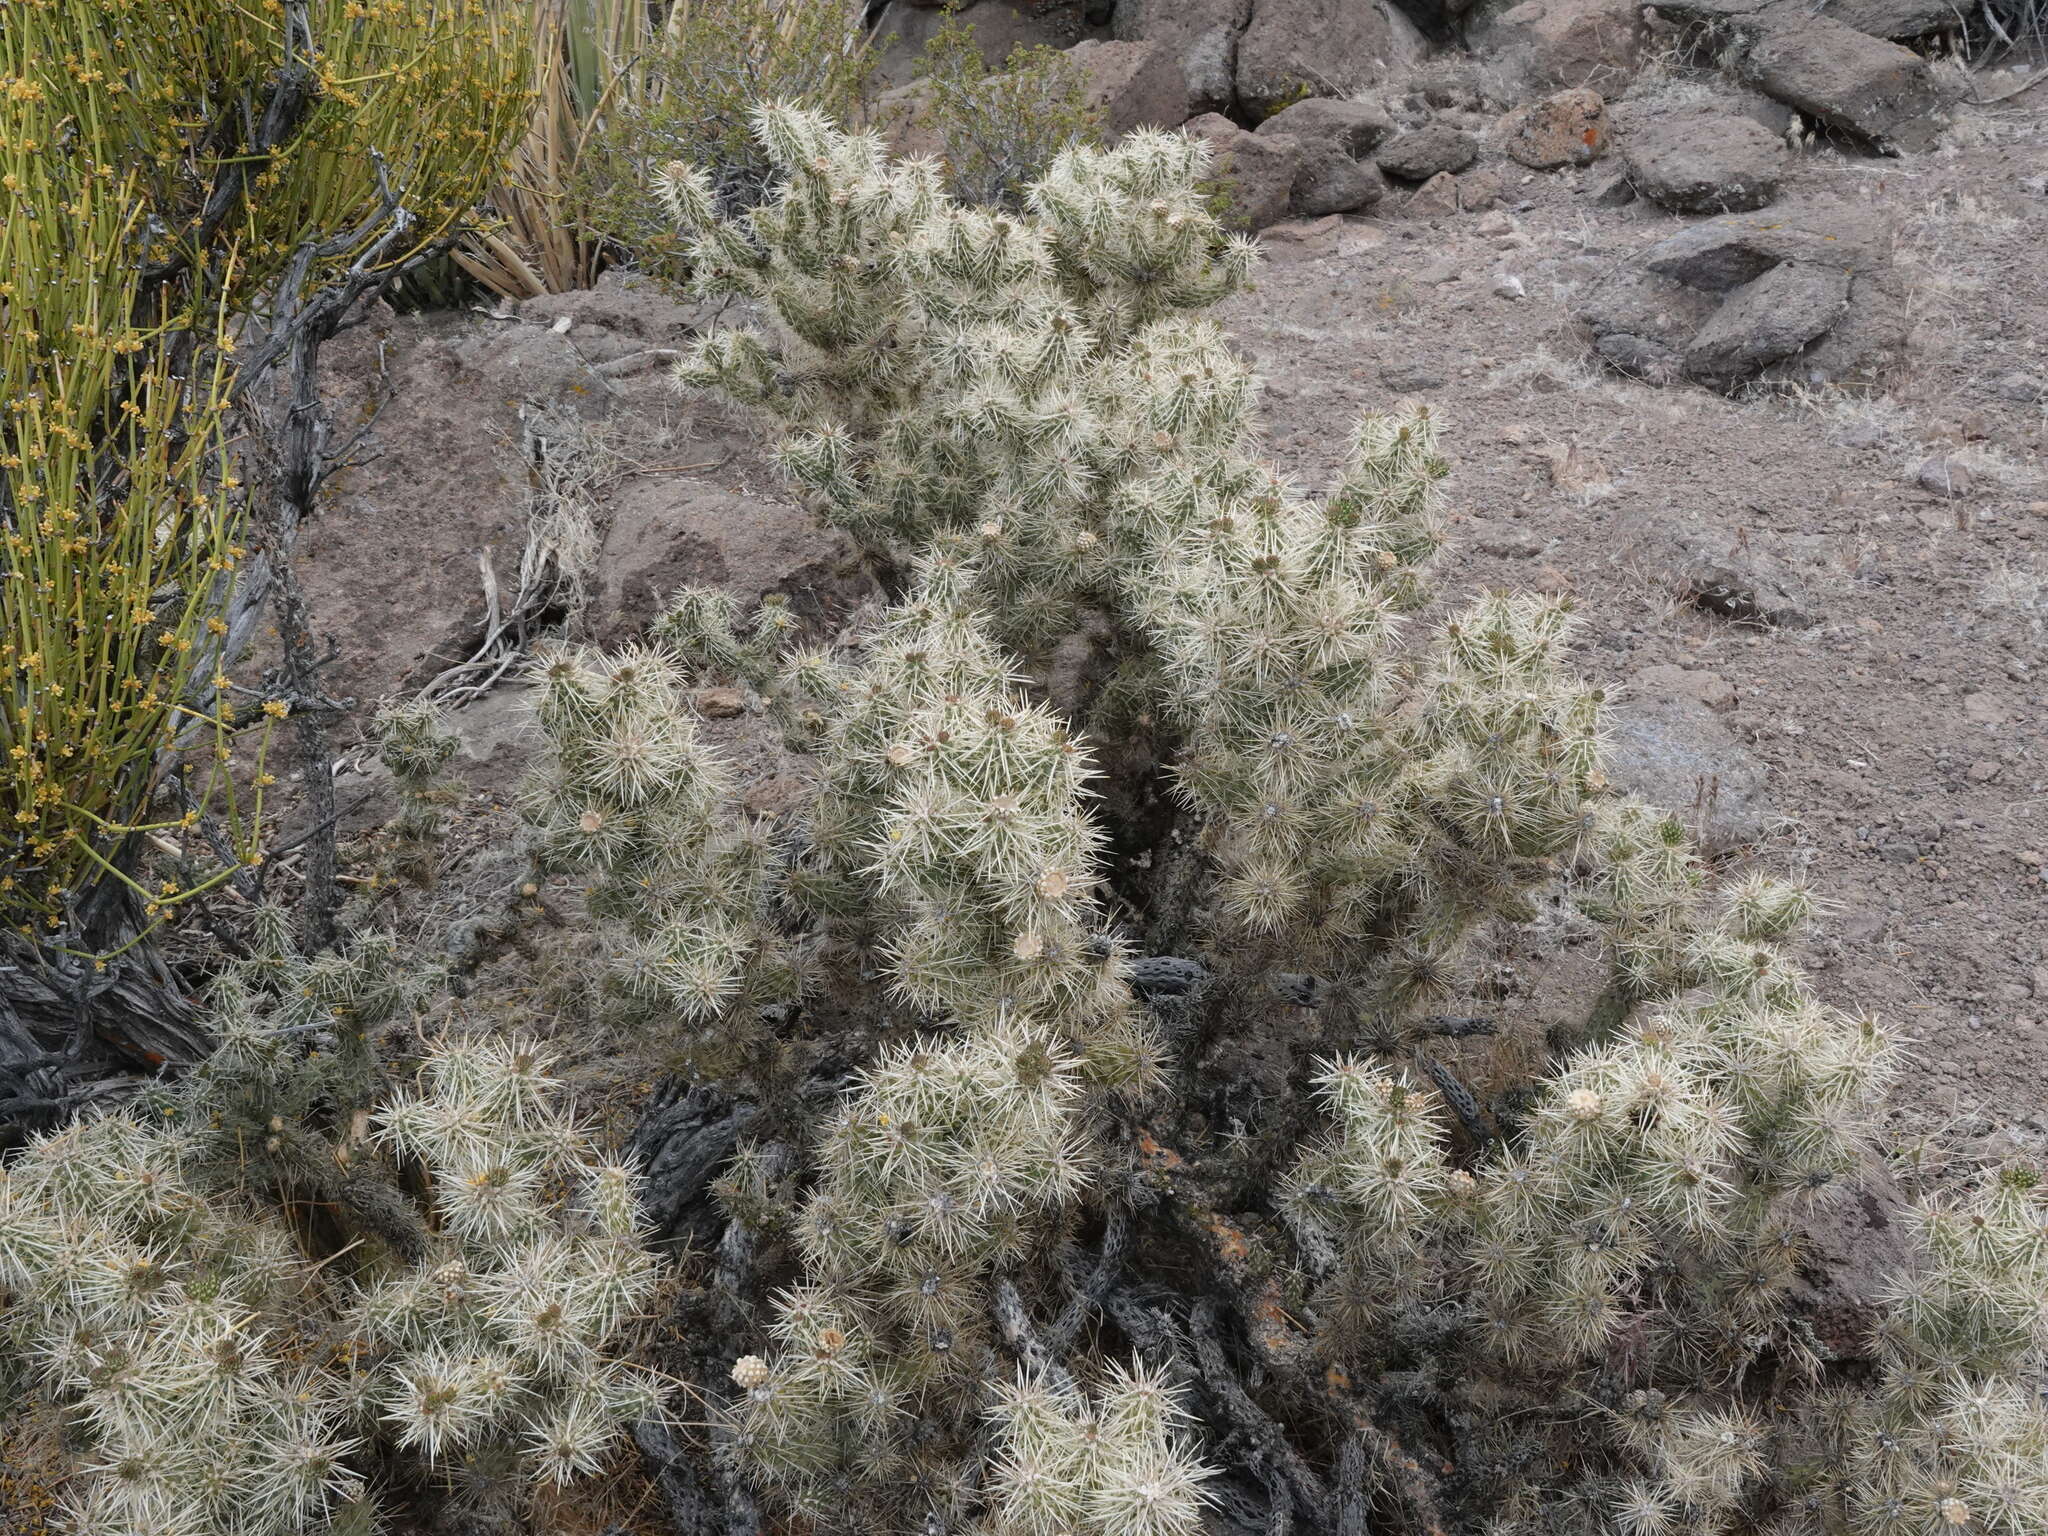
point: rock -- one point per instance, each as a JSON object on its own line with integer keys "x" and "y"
{"x": 1849, "y": 80}
{"x": 1644, "y": 306}
{"x": 623, "y": 303}
{"x": 1355, "y": 127}
{"x": 1768, "y": 113}
{"x": 1329, "y": 180}
{"x": 2021, "y": 388}
{"x": 1664, "y": 297}
{"x": 665, "y": 535}
{"x": 1711, "y": 13}
{"x": 1723, "y": 254}
{"x": 1258, "y": 172}
{"x": 1615, "y": 191}
{"x": 1308, "y": 237}
{"x": 1201, "y": 34}
{"x": 1297, "y": 48}
{"x": 1431, "y": 150}
{"x": 1678, "y": 754}
{"x": 1508, "y": 286}
{"x": 1411, "y": 378}
{"x": 1943, "y": 476}
{"x": 1436, "y": 198}
{"x": 900, "y": 116}
{"x": 1566, "y": 129}
{"x": 1732, "y": 579}
{"x": 1765, "y": 321}
{"x": 1208, "y": 68}
{"x": 1705, "y": 162}
{"x": 397, "y": 582}
{"x": 998, "y": 28}
{"x": 1503, "y": 540}
{"x": 1897, "y": 20}
{"x": 1851, "y": 1251}
{"x": 1479, "y": 191}
{"x": 720, "y": 703}
{"x": 1566, "y": 44}
{"x": 1133, "y": 85}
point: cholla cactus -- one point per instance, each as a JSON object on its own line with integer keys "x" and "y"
{"x": 1120, "y": 1463}
{"x": 415, "y": 744}
{"x": 1045, "y": 447}
{"x": 180, "y": 1325}
{"x": 951, "y": 817}
{"x": 1958, "y": 1436}
{"x": 684, "y": 880}
{"x": 950, "y": 1158}
{"x": 227, "y": 1384}
{"x": 495, "y": 1342}
{"x": 943, "y": 369}
{"x": 1036, "y": 398}
{"x": 1657, "y": 1179}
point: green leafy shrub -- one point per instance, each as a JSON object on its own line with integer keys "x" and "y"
{"x": 695, "y": 89}
{"x": 998, "y": 129}
{"x": 140, "y": 220}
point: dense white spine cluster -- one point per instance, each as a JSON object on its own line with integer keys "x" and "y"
{"x": 1957, "y": 1439}
{"x": 1116, "y": 1461}
{"x": 227, "y": 1385}
{"x": 499, "y": 1336}
{"x": 630, "y": 795}
{"x": 178, "y": 1327}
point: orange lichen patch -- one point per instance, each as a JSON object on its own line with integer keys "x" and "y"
{"x": 1154, "y": 1156}
{"x": 1232, "y": 1246}
{"x": 1271, "y": 1328}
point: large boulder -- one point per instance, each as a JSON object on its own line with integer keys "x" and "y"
{"x": 1355, "y": 127}
{"x": 457, "y": 399}
{"x": 1897, "y": 20}
{"x": 1569, "y": 128}
{"x": 1133, "y": 85}
{"x": 1298, "y": 48}
{"x": 1701, "y": 161}
{"x": 1201, "y": 35}
{"x": 1771, "y": 318}
{"x": 1431, "y": 150}
{"x": 1677, "y": 753}
{"x": 1257, "y": 173}
{"x": 1900, "y": 21}
{"x": 1565, "y": 44}
{"x": 998, "y": 27}
{"x": 1848, "y": 80}
{"x": 1329, "y": 181}
{"x": 1723, "y": 254}
{"x": 1830, "y": 69}
{"x": 1832, "y": 311}
{"x": 1641, "y": 323}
